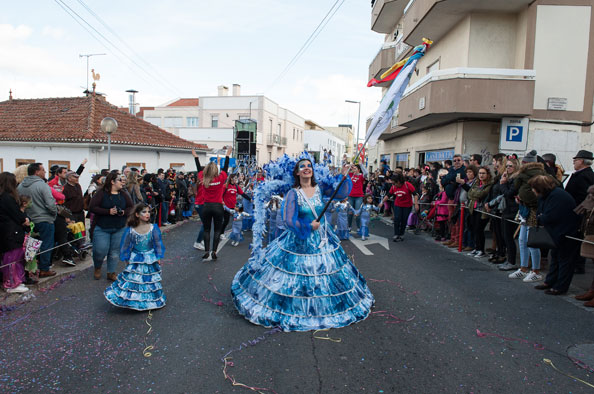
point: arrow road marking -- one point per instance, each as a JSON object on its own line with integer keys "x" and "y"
{"x": 373, "y": 239}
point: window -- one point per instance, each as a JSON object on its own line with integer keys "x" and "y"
{"x": 177, "y": 166}
{"x": 139, "y": 166}
{"x": 278, "y": 129}
{"x": 1, "y": 165}
{"x": 154, "y": 120}
{"x": 60, "y": 163}
{"x": 270, "y": 120}
{"x": 214, "y": 121}
{"x": 173, "y": 121}
{"x": 433, "y": 66}
{"x": 20, "y": 162}
{"x": 269, "y": 156}
{"x": 192, "y": 121}
{"x": 293, "y": 133}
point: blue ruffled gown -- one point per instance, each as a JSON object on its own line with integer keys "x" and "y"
{"x": 303, "y": 280}
{"x": 365, "y": 212}
{"x": 139, "y": 285}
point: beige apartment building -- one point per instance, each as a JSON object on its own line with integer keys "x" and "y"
{"x": 212, "y": 118}
{"x": 501, "y": 76}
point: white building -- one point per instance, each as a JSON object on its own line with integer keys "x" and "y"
{"x": 317, "y": 140}
{"x": 65, "y": 131}
{"x": 208, "y": 119}
{"x": 501, "y": 76}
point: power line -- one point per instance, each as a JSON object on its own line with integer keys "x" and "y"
{"x": 115, "y": 34}
{"x": 75, "y": 15}
{"x": 329, "y": 15}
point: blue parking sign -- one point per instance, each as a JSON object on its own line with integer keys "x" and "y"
{"x": 514, "y": 133}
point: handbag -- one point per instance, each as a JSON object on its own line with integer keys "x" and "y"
{"x": 539, "y": 238}
{"x": 587, "y": 249}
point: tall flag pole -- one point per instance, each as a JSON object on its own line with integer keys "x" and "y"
{"x": 388, "y": 105}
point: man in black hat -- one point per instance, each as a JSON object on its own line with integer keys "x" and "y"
{"x": 577, "y": 186}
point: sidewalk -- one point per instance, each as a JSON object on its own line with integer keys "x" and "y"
{"x": 581, "y": 282}
{"x": 64, "y": 273}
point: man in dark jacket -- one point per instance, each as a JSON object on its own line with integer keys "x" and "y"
{"x": 577, "y": 186}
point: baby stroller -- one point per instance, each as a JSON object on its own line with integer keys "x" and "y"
{"x": 426, "y": 220}
{"x": 77, "y": 238}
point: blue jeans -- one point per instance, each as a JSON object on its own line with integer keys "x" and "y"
{"x": 356, "y": 203}
{"x": 525, "y": 251}
{"x": 106, "y": 243}
{"x": 400, "y": 219}
{"x": 201, "y": 232}
{"x": 46, "y": 236}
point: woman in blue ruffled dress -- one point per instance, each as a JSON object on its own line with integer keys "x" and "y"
{"x": 139, "y": 285}
{"x": 303, "y": 280}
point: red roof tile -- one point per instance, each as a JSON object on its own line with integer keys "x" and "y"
{"x": 184, "y": 102}
{"x": 78, "y": 119}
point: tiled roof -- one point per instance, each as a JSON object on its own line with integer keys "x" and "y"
{"x": 184, "y": 102}
{"x": 78, "y": 119}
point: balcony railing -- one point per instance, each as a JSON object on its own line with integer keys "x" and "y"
{"x": 274, "y": 139}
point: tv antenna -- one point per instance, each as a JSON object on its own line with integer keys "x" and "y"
{"x": 88, "y": 55}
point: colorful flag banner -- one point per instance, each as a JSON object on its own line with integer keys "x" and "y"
{"x": 391, "y": 100}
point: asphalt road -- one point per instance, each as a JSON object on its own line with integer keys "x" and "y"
{"x": 421, "y": 338}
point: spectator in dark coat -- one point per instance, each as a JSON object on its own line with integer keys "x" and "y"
{"x": 556, "y": 213}
{"x": 577, "y": 186}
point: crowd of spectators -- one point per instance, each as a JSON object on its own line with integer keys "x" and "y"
{"x": 512, "y": 197}
{"x": 47, "y": 207}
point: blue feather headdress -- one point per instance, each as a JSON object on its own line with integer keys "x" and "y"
{"x": 279, "y": 180}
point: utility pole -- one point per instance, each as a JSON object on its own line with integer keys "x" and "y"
{"x": 88, "y": 56}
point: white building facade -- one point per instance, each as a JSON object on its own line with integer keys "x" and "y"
{"x": 279, "y": 130}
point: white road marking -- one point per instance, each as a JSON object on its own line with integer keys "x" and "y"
{"x": 373, "y": 239}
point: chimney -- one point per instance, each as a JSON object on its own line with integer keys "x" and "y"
{"x": 10, "y": 94}
{"x": 236, "y": 89}
{"x": 223, "y": 90}
{"x": 132, "y": 101}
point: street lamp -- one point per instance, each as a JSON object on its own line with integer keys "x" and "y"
{"x": 358, "y": 121}
{"x": 108, "y": 126}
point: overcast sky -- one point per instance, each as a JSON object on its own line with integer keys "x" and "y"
{"x": 187, "y": 48}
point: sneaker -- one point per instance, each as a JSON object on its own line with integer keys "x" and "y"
{"x": 507, "y": 267}
{"x": 395, "y": 238}
{"x": 223, "y": 236}
{"x": 363, "y": 238}
{"x": 166, "y": 224}
{"x": 517, "y": 274}
{"x": 234, "y": 243}
{"x": 467, "y": 249}
{"x": 19, "y": 289}
{"x": 472, "y": 253}
{"x": 532, "y": 277}
{"x": 213, "y": 256}
{"x": 480, "y": 254}
{"x": 69, "y": 262}
{"x": 206, "y": 256}
{"x": 198, "y": 245}
{"x": 399, "y": 239}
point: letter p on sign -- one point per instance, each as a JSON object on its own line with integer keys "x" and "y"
{"x": 514, "y": 133}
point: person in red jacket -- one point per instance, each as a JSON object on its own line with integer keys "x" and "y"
{"x": 213, "y": 183}
{"x": 404, "y": 193}
{"x": 356, "y": 195}
{"x": 230, "y": 199}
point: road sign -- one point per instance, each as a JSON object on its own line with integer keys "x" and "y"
{"x": 514, "y": 134}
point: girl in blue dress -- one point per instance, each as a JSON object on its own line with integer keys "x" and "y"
{"x": 303, "y": 280}
{"x": 342, "y": 215}
{"x": 238, "y": 217}
{"x": 139, "y": 287}
{"x": 365, "y": 213}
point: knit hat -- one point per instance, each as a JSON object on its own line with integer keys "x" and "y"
{"x": 530, "y": 157}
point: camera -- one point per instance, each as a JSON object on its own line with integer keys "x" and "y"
{"x": 120, "y": 211}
